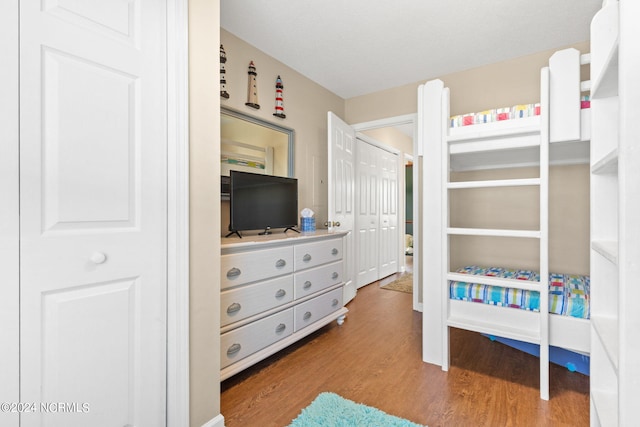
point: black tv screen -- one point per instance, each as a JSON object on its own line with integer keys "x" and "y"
{"x": 262, "y": 202}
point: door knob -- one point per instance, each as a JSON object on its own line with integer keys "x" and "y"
{"x": 98, "y": 258}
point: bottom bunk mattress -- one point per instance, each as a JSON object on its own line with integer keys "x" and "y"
{"x": 568, "y": 293}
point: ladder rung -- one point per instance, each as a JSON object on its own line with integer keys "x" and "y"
{"x": 535, "y": 234}
{"x": 494, "y": 183}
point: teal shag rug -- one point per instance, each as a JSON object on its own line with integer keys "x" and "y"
{"x": 331, "y": 410}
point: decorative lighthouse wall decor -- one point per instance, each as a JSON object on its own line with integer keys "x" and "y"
{"x": 223, "y": 72}
{"x": 252, "y": 92}
{"x": 279, "y": 101}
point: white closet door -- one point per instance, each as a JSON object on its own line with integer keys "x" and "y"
{"x": 93, "y": 211}
{"x": 367, "y": 219}
{"x": 9, "y": 209}
{"x": 388, "y": 213}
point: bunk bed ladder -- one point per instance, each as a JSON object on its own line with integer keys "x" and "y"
{"x": 495, "y": 141}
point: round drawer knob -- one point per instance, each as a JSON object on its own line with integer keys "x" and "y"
{"x": 307, "y": 315}
{"x": 334, "y": 275}
{"x": 334, "y": 302}
{"x": 306, "y": 285}
{"x": 281, "y": 293}
{"x": 281, "y": 263}
{"x": 334, "y": 251}
{"x": 234, "y": 308}
{"x": 98, "y": 257}
{"x": 280, "y": 328}
{"x": 234, "y": 272}
{"x": 306, "y": 258}
{"x": 233, "y": 349}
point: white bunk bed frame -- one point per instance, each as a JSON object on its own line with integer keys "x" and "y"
{"x": 560, "y": 135}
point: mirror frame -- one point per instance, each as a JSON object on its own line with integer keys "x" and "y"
{"x": 258, "y": 121}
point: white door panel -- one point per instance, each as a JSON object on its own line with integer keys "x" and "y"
{"x": 9, "y": 211}
{"x": 93, "y": 204}
{"x": 341, "y": 173}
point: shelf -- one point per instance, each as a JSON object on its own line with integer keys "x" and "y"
{"x": 494, "y": 183}
{"x": 606, "y": 328}
{"x": 532, "y": 234}
{"x": 604, "y": 52}
{"x": 607, "y": 86}
{"x": 606, "y": 248}
{"x": 607, "y": 165}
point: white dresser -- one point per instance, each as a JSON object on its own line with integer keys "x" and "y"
{"x": 275, "y": 290}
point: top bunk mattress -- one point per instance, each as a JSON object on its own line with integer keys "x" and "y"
{"x": 568, "y": 293}
{"x": 515, "y": 112}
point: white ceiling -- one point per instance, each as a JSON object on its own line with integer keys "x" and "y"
{"x": 356, "y": 47}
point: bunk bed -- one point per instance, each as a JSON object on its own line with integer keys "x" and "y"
{"x": 554, "y": 132}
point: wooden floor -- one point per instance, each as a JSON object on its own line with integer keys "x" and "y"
{"x": 375, "y": 358}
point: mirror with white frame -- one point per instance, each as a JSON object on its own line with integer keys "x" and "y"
{"x": 254, "y": 145}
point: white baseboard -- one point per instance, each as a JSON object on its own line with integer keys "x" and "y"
{"x": 218, "y": 421}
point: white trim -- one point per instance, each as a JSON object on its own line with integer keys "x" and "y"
{"x": 178, "y": 215}
{"x": 385, "y": 123}
{"x": 371, "y": 141}
{"x": 217, "y": 421}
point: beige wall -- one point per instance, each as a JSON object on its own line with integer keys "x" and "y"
{"x": 503, "y": 84}
{"x": 305, "y": 104}
{"x": 204, "y": 305}
{"x": 517, "y": 208}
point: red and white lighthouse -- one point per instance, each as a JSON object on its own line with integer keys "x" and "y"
{"x": 279, "y": 101}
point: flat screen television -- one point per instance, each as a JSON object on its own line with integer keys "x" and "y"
{"x": 262, "y": 202}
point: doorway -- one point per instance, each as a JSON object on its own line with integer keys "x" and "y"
{"x": 400, "y": 133}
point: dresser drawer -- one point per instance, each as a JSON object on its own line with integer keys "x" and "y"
{"x": 239, "y": 343}
{"x": 316, "y": 253}
{"x": 313, "y": 280}
{"x": 240, "y": 303}
{"x": 246, "y": 267}
{"x": 315, "y": 309}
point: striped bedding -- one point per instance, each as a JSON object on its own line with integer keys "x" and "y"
{"x": 568, "y": 293}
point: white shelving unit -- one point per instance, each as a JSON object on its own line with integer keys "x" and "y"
{"x": 615, "y": 229}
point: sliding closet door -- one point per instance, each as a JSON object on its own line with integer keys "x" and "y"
{"x": 368, "y": 217}
{"x": 389, "y": 238}
{"x": 93, "y": 212}
{"x": 377, "y": 207}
